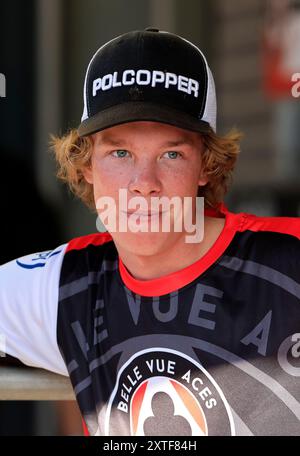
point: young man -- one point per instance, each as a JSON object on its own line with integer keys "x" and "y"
{"x": 161, "y": 334}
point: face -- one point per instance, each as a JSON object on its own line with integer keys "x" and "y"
{"x": 147, "y": 159}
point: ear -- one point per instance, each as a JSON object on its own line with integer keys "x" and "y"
{"x": 88, "y": 175}
{"x": 203, "y": 179}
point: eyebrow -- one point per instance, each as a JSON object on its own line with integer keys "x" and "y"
{"x": 111, "y": 142}
{"x": 180, "y": 142}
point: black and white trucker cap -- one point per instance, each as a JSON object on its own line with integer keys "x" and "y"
{"x": 148, "y": 75}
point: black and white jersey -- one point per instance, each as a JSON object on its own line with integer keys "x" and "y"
{"x": 212, "y": 349}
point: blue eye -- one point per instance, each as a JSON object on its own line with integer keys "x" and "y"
{"x": 173, "y": 154}
{"x": 120, "y": 153}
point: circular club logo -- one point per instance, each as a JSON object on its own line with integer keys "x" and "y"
{"x": 164, "y": 392}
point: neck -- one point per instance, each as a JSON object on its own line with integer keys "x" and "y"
{"x": 175, "y": 258}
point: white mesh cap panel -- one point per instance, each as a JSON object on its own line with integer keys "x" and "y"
{"x": 210, "y": 111}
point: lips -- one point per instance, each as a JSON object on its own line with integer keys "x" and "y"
{"x": 143, "y": 214}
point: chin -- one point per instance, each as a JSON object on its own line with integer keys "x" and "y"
{"x": 144, "y": 244}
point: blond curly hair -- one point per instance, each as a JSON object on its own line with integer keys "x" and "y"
{"x": 73, "y": 155}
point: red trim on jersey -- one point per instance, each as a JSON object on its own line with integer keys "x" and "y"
{"x": 283, "y": 225}
{"x": 83, "y": 241}
{"x": 168, "y": 283}
{"x": 85, "y": 429}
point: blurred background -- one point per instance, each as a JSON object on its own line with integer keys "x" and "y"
{"x": 253, "y": 49}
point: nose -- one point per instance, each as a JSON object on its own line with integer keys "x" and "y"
{"x": 145, "y": 180}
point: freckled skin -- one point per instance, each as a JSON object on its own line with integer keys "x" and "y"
{"x": 140, "y": 158}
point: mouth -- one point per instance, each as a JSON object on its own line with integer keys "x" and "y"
{"x": 143, "y": 214}
{"x": 138, "y": 212}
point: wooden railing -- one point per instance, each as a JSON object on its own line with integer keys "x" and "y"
{"x": 31, "y": 384}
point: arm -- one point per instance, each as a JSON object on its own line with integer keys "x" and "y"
{"x": 28, "y": 309}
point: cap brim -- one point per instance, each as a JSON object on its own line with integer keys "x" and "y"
{"x": 141, "y": 111}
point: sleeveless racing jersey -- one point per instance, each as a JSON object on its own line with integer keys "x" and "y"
{"x": 212, "y": 349}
